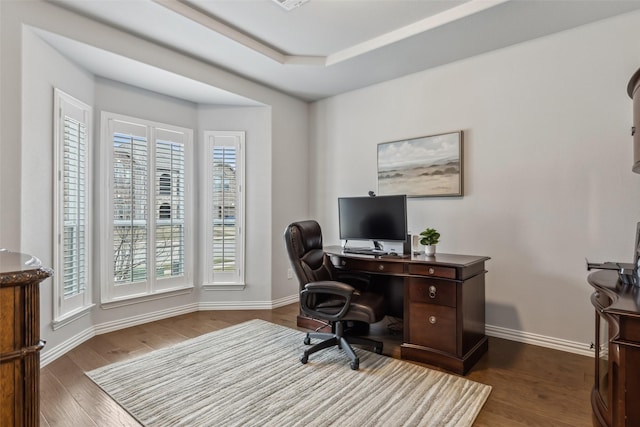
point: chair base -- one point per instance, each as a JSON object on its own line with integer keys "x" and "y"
{"x": 343, "y": 342}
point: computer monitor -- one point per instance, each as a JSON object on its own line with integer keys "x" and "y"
{"x": 378, "y": 218}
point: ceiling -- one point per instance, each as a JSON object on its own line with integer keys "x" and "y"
{"x": 323, "y": 47}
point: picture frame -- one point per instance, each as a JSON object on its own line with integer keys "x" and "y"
{"x": 428, "y": 166}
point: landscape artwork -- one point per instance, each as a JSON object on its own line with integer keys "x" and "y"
{"x": 421, "y": 167}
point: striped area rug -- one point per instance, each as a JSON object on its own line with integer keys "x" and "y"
{"x": 249, "y": 375}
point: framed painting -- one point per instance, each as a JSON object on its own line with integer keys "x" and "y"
{"x": 429, "y": 166}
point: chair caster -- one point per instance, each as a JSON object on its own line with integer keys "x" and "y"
{"x": 307, "y": 340}
{"x": 355, "y": 364}
{"x": 304, "y": 359}
{"x": 378, "y": 349}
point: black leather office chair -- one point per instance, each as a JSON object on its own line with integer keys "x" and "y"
{"x": 324, "y": 298}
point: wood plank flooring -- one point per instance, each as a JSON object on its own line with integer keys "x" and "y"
{"x": 532, "y": 386}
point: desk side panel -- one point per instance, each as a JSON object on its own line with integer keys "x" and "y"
{"x": 472, "y": 311}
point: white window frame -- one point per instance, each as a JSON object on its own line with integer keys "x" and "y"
{"x": 234, "y": 280}
{"x": 67, "y": 309}
{"x": 112, "y": 294}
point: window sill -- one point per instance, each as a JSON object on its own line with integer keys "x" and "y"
{"x": 223, "y": 286}
{"x": 70, "y": 317}
{"x": 137, "y": 299}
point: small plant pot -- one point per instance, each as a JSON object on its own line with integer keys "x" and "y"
{"x": 430, "y": 250}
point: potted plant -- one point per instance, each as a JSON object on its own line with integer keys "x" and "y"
{"x": 429, "y": 238}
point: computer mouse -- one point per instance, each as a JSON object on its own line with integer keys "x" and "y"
{"x": 393, "y": 254}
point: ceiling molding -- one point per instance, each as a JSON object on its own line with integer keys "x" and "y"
{"x": 466, "y": 9}
{"x": 237, "y": 36}
{"x": 435, "y": 21}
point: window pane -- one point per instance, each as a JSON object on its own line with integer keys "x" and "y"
{"x": 224, "y": 205}
{"x": 130, "y": 200}
{"x": 170, "y": 209}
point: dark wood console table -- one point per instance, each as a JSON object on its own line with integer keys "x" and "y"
{"x": 443, "y": 304}
{"x": 20, "y": 344}
{"x": 616, "y": 390}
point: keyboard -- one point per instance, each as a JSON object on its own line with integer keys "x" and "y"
{"x": 364, "y": 251}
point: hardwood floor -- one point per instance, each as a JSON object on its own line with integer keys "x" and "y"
{"x": 532, "y": 386}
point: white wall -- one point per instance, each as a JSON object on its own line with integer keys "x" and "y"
{"x": 547, "y": 158}
{"x": 290, "y": 189}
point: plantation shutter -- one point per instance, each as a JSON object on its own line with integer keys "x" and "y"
{"x": 223, "y": 217}
{"x": 74, "y": 178}
{"x": 170, "y": 205}
{"x": 130, "y": 207}
{"x": 224, "y": 207}
{"x": 71, "y": 213}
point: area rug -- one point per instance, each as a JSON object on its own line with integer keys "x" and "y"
{"x": 250, "y": 375}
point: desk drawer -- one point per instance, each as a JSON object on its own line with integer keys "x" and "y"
{"x": 432, "y": 291}
{"x": 372, "y": 266}
{"x": 432, "y": 270}
{"x": 432, "y": 326}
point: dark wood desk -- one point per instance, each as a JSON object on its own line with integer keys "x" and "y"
{"x": 443, "y": 303}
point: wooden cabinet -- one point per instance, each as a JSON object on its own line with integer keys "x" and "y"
{"x": 443, "y": 304}
{"x": 20, "y": 344}
{"x": 616, "y": 389}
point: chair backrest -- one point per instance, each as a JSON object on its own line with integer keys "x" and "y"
{"x": 303, "y": 240}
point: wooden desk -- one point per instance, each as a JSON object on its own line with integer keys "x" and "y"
{"x": 20, "y": 344}
{"x": 443, "y": 304}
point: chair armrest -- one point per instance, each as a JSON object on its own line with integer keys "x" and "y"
{"x": 327, "y": 288}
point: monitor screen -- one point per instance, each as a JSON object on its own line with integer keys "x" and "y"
{"x": 373, "y": 218}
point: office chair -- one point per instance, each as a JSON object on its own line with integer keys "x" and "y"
{"x": 324, "y": 298}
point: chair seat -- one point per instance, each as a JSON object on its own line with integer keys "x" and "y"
{"x": 367, "y": 307}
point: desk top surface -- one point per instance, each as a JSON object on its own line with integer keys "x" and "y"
{"x": 625, "y": 299}
{"x": 454, "y": 260}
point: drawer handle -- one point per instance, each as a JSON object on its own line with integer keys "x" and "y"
{"x": 432, "y": 320}
{"x": 381, "y": 267}
{"x": 432, "y": 291}
{"x": 431, "y": 270}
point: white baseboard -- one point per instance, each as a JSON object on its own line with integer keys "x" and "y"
{"x": 248, "y": 305}
{"x": 235, "y": 305}
{"x": 539, "y": 340}
{"x": 116, "y": 325}
{"x": 49, "y": 354}
{"x": 286, "y": 301}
